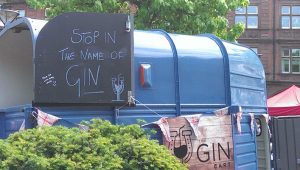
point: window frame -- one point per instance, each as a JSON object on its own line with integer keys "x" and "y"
{"x": 23, "y": 10}
{"x": 291, "y": 15}
{"x": 290, "y": 58}
{"x": 247, "y": 15}
{"x": 283, "y": 65}
{"x": 255, "y": 49}
{"x": 291, "y": 62}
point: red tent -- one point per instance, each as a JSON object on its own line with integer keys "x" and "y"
{"x": 285, "y": 103}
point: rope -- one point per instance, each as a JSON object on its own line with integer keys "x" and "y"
{"x": 33, "y": 113}
{"x": 146, "y": 107}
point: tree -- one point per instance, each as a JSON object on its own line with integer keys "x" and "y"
{"x": 180, "y": 16}
{"x": 103, "y": 146}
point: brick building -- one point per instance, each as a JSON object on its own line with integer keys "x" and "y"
{"x": 23, "y": 8}
{"x": 273, "y": 30}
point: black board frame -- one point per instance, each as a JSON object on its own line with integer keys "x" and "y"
{"x": 127, "y": 28}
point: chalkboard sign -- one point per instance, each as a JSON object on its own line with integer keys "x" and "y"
{"x": 84, "y": 58}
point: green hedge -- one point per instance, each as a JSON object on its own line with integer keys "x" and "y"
{"x": 103, "y": 146}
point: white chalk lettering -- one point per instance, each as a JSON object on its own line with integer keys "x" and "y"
{"x": 89, "y": 55}
{"x": 84, "y": 37}
{"x": 90, "y": 37}
{"x": 66, "y": 55}
{"x": 122, "y": 54}
{"x": 90, "y": 78}
{"x": 75, "y": 34}
{"x": 77, "y": 82}
{"x": 110, "y": 37}
{"x": 117, "y": 55}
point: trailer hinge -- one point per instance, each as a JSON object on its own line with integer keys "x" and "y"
{"x": 130, "y": 98}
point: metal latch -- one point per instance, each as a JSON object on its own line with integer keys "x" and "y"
{"x": 145, "y": 75}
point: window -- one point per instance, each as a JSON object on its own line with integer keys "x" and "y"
{"x": 255, "y": 50}
{"x": 248, "y": 16}
{"x": 290, "y": 17}
{"x": 290, "y": 61}
{"x": 46, "y": 12}
{"x": 21, "y": 13}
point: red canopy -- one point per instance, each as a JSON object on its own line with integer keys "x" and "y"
{"x": 285, "y": 103}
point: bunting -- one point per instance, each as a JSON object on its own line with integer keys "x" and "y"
{"x": 267, "y": 118}
{"x": 252, "y": 122}
{"x": 221, "y": 112}
{"x": 239, "y": 116}
{"x": 164, "y": 127}
{"x": 83, "y": 127}
{"x": 22, "y": 127}
{"x": 194, "y": 123}
{"x": 44, "y": 119}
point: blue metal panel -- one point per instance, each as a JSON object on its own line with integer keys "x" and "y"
{"x": 251, "y": 166}
{"x": 188, "y": 110}
{"x": 176, "y": 70}
{"x": 247, "y": 161}
{"x": 202, "y": 58}
{"x": 244, "y": 148}
{"x": 74, "y": 115}
{"x": 248, "y": 89}
{"x": 226, "y": 66}
{"x": 13, "y": 119}
{"x": 244, "y": 145}
{"x": 129, "y": 116}
{"x": 247, "y": 77}
{"x": 125, "y": 115}
{"x": 71, "y": 116}
{"x": 201, "y": 71}
{"x": 153, "y": 48}
{"x": 2, "y": 127}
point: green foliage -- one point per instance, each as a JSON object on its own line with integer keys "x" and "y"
{"x": 180, "y": 16}
{"x": 103, "y": 146}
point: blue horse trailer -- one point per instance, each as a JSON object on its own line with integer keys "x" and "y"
{"x": 173, "y": 75}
